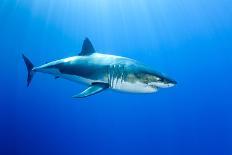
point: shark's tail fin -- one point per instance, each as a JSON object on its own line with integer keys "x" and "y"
{"x": 30, "y": 72}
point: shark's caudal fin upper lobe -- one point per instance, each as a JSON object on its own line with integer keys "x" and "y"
{"x": 29, "y": 66}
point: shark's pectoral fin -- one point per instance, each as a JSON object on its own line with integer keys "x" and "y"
{"x": 92, "y": 89}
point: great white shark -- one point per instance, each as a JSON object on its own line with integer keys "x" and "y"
{"x": 102, "y": 71}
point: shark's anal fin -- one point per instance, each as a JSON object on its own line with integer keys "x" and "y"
{"x": 92, "y": 89}
{"x": 87, "y": 48}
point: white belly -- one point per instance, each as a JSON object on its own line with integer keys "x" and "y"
{"x": 134, "y": 87}
{"x": 114, "y": 83}
{"x": 124, "y": 87}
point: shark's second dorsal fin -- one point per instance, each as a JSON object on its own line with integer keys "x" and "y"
{"x": 87, "y": 48}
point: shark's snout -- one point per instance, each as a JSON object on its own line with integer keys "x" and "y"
{"x": 165, "y": 82}
{"x": 171, "y": 82}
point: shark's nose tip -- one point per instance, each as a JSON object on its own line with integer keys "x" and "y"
{"x": 171, "y": 81}
{"x": 174, "y": 82}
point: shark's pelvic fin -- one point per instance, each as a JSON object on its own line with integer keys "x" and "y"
{"x": 87, "y": 48}
{"x": 92, "y": 89}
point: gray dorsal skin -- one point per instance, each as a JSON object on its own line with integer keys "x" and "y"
{"x": 92, "y": 89}
{"x": 87, "y": 48}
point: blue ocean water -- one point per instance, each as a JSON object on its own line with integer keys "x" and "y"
{"x": 191, "y": 41}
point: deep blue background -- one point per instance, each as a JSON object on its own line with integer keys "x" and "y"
{"x": 191, "y": 41}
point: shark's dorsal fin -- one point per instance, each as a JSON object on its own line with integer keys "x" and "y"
{"x": 87, "y": 48}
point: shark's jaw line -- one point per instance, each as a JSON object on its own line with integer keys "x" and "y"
{"x": 102, "y": 71}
